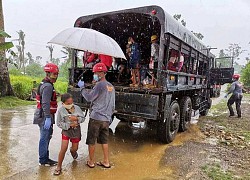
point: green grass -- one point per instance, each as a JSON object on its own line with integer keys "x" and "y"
{"x": 10, "y": 102}
{"x": 22, "y": 85}
{"x": 221, "y": 106}
{"x": 216, "y": 173}
{"x": 246, "y": 134}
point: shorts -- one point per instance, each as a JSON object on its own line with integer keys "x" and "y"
{"x": 97, "y": 130}
{"x": 73, "y": 140}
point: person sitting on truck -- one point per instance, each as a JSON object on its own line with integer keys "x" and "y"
{"x": 172, "y": 64}
{"x": 91, "y": 60}
{"x": 106, "y": 59}
{"x": 154, "y": 56}
{"x": 134, "y": 56}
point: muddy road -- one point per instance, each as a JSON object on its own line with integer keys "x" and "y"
{"x": 134, "y": 154}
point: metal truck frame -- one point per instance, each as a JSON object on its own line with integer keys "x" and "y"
{"x": 171, "y": 102}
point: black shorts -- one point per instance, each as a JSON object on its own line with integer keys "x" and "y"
{"x": 97, "y": 131}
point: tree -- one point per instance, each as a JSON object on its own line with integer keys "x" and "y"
{"x": 55, "y": 61}
{"x": 5, "y": 86}
{"x": 35, "y": 70}
{"x": 234, "y": 50}
{"x": 184, "y": 23}
{"x": 20, "y": 49}
{"x": 246, "y": 74}
{"x": 38, "y": 59}
{"x": 30, "y": 58}
{"x": 51, "y": 48}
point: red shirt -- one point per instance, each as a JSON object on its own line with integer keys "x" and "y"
{"x": 105, "y": 59}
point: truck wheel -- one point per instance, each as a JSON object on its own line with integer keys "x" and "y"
{"x": 185, "y": 113}
{"x": 168, "y": 128}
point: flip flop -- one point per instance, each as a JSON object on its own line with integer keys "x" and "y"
{"x": 75, "y": 156}
{"x": 57, "y": 172}
{"x": 90, "y": 165}
{"x": 102, "y": 165}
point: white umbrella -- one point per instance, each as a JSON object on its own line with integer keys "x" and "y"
{"x": 88, "y": 40}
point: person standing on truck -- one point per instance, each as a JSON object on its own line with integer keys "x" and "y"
{"x": 154, "y": 57}
{"x": 236, "y": 97}
{"x": 102, "y": 98}
{"x": 134, "y": 56}
{"x": 45, "y": 113}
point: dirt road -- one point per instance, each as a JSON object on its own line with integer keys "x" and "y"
{"x": 194, "y": 154}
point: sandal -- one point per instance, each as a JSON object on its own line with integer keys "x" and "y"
{"x": 57, "y": 172}
{"x": 74, "y": 155}
{"x": 90, "y": 166}
{"x": 102, "y": 165}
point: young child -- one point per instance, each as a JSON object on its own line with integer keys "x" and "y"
{"x": 69, "y": 118}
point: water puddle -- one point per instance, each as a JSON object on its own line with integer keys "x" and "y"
{"x": 134, "y": 153}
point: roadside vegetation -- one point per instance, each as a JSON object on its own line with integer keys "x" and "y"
{"x": 23, "y": 85}
{"x": 232, "y": 139}
{"x": 8, "y": 102}
{"x": 215, "y": 172}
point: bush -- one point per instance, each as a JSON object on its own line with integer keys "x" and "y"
{"x": 35, "y": 70}
{"x": 14, "y": 71}
{"x": 246, "y": 75}
{"x": 22, "y": 85}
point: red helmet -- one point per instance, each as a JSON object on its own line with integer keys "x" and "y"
{"x": 236, "y": 76}
{"x": 100, "y": 67}
{"x": 52, "y": 68}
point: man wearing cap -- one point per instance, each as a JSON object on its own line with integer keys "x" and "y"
{"x": 236, "y": 90}
{"x": 154, "y": 56}
{"x": 102, "y": 98}
{"x": 45, "y": 113}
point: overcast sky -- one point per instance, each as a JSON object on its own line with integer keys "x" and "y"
{"x": 220, "y": 21}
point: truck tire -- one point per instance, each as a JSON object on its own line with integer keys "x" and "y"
{"x": 185, "y": 113}
{"x": 168, "y": 128}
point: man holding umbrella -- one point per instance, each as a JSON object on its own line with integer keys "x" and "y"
{"x": 102, "y": 98}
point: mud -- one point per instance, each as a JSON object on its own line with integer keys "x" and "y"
{"x": 134, "y": 154}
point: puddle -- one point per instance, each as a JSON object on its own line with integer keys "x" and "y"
{"x": 134, "y": 153}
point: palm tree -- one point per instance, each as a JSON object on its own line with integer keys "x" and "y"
{"x": 5, "y": 86}
{"x": 51, "y": 48}
{"x": 21, "y": 42}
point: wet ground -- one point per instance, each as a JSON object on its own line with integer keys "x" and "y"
{"x": 134, "y": 154}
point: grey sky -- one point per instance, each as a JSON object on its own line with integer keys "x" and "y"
{"x": 220, "y": 21}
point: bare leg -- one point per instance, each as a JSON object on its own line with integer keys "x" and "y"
{"x": 74, "y": 148}
{"x": 138, "y": 75}
{"x": 120, "y": 73}
{"x": 133, "y": 76}
{"x": 91, "y": 155}
{"x": 105, "y": 149}
{"x": 64, "y": 147}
